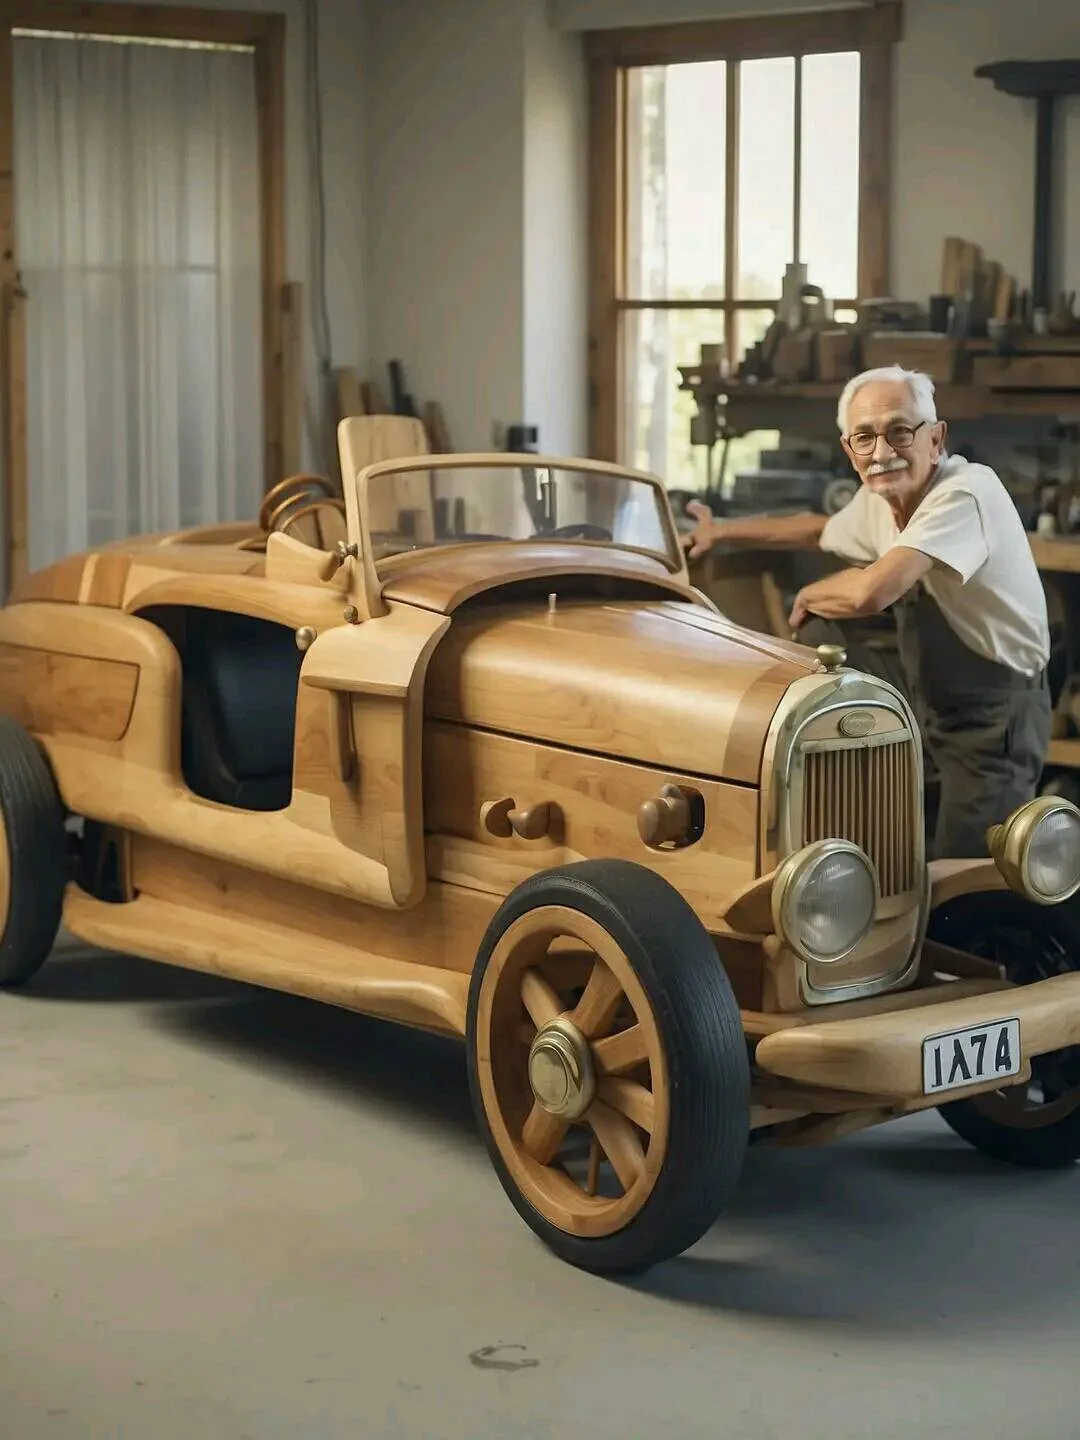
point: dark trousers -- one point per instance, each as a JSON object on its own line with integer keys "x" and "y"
{"x": 989, "y": 752}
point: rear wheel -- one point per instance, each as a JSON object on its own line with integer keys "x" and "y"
{"x": 1035, "y": 1125}
{"x": 607, "y": 1065}
{"x": 33, "y": 855}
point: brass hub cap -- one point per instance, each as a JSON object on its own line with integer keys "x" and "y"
{"x": 561, "y": 1070}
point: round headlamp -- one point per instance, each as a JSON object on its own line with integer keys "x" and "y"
{"x": 1037, "y": 850}
{"x": 824, "y": 900}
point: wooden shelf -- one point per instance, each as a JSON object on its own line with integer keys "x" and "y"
{"x": 955, "y": 402}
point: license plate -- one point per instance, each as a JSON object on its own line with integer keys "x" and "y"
{"x": 977, "y": 1055}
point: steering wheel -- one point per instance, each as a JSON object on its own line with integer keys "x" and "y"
{"x": 292, "y": 488}
{"x": 326, "y": 518}
{"x": 581, "y": 531}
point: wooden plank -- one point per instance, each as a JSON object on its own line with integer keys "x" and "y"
{"x": 437, "y": 431}
{"x": 350, "y": 401}
{"x": 749, "y": 37}
{"x": 606, "y": 200}
{"x": 1029, "y": 372}
{"x": 372, "y": 401}
{"x": 159, "y": 22}
{"x": 731, "y": 212}
{"x": 875, "y": 168}
{"x": 270, "y": 103}
{"x": 292, "y": 376}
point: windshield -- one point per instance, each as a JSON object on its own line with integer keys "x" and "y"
{"x": 411, "y": 509}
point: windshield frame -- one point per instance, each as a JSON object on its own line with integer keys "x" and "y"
{"x": 358, "y": 510}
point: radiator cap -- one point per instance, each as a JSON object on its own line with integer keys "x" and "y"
{"x": 831, "y": 657}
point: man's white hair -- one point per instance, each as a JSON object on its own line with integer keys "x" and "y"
{"x": 920, "y": 385}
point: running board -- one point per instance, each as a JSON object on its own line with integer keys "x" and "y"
{"x": 273, "y": 957}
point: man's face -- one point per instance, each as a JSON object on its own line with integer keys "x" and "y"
{"x": 888, "y": 458}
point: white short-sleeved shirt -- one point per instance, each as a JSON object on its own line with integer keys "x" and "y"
{"x": 984, "y": 578}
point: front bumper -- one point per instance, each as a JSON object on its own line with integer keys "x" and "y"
{"x": 882, "y": 1054}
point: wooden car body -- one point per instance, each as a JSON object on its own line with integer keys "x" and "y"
{"x": 437, "y": 724}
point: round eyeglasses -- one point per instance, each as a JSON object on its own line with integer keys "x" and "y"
{"x": 897, "y": 437}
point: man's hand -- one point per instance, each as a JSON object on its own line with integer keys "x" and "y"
{"x": 837, "y": 597}
{"x": 704, "y": 534}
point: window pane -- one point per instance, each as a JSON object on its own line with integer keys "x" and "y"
{"x": 766, "y": 217}
{"x": 657, "y": 413}
{"x": 675, "y": 181}
{"x": 829, "y": 241}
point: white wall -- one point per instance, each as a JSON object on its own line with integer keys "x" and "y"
{"x": 476, "y": 216}
{"x": 445, "y": 221}
{"x": 965, "y": 156}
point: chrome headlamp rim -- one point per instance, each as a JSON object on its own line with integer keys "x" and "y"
{"x": 1010, "y": 847}
{"x": 792, "y": 876}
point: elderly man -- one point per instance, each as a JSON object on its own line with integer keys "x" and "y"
{"x": 941, "y": 541}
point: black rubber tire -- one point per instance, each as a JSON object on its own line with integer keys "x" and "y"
{"x": 967, "y": 923}
{"x": 700, "y": 1027}
{"x": 33, "y": 819}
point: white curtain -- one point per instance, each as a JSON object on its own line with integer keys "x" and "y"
{"x": 138, "y": 240}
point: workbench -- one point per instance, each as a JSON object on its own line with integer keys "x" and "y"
{"x": 742, "y": 407}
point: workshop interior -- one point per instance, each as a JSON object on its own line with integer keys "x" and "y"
{"x": 484, "y": 950}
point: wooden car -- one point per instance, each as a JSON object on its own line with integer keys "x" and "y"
{"x": 467, "y": 750}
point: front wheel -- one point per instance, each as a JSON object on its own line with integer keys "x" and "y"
{"x": 33, "y": 855}
{"x": 1037, "y": 1125}
{"x": 607, "y": 1065}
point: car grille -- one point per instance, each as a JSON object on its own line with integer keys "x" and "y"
{"x": 866, "y": 795}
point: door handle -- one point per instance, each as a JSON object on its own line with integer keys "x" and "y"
{"x": 503, "y": 818}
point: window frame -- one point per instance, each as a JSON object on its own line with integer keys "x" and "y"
{"x": 871, "y": 30}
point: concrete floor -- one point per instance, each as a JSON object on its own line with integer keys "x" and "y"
{"x": 227, "y": 1214}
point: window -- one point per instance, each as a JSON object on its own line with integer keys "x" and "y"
{"x": 721, "y": 152}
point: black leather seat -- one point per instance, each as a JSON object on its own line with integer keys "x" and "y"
{"x": 239, "y": 711}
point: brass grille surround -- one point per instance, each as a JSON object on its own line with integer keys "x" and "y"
{"x": 821, "y": 779}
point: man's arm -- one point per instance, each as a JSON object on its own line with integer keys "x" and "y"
{"x": 852, "y": 594}
{"x": 795, "y": 532}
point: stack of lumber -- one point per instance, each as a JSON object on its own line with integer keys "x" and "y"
{"x": 968, "y": 276}
{"x": 364, "y": 397}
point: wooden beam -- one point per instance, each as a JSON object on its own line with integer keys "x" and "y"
{"x": 157, "y": 22}
{"x": 292, "y": 377}
{"x": 606, "y": 204}
{"x": 750, "y": 37}
{"x": 875, "y": 169}
{"x": 270, "y": 105}
{"x": 731, "y": 211}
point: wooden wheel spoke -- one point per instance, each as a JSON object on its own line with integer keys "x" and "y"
{"x": 539, "y": 999}
{"x": 598, "y": 1005}
{"x": 615, "y": 1054}
{"x": 542, "y": 1134}
{"x": 628, "y": 1098}
{"x": 619, "y": 1142}
{"x": 592, "y": 1181}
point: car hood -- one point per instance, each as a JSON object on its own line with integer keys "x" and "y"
{"x": 669, "y": 683}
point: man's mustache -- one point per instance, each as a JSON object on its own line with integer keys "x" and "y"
{"x": 885, "y": 467}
